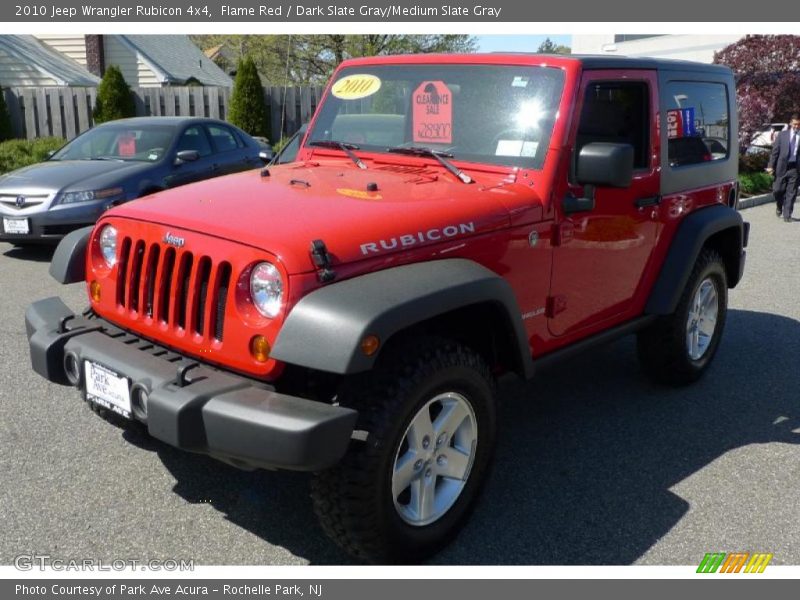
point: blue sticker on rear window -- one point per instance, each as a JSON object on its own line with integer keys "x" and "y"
{"x": 680, "y": 123}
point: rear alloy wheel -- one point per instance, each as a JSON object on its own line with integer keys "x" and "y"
{"x": 702, "y": 319}
{"x": 678, "y": 348}
{"x": 404, "y": 492}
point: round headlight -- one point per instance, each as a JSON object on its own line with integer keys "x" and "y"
{"x": 266, "y": 289}
{"x": 108, "y": 244}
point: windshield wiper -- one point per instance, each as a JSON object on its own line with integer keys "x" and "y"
{"x": 344, "y": 147}
{"x": 437, "y": 154}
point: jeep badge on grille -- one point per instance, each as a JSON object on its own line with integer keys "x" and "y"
{"x": 174, "y": 240}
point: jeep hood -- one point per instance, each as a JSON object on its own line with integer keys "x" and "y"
{"x": 282, "y": 213}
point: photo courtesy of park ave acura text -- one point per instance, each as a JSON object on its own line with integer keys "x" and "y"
{"x": 441, "y": 299}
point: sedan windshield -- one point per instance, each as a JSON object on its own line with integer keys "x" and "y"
{"x": 495, "y": 114}
{"x": 120, "y": 142}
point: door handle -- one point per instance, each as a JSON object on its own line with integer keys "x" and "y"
{"x": 645, "y": 202}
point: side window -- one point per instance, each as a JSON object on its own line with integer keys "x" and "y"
{"x": 617, "y": 112}
{"x": 697, "y": 122}
{"x": 194, "y": 138}
{"x": 224, "y": 140}
{"x": 289, "y": 152}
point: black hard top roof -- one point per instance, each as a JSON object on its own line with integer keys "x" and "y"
{"x": 604, "y": 61}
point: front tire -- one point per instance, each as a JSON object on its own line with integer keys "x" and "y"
{"x": 677, "y": 349}
{"x": 403, "y": 493}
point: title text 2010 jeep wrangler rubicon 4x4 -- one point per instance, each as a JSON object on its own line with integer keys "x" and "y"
{"x": 448, "y": 219}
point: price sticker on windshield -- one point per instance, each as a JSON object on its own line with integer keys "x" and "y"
{"x": 354, "y": 87}
{"x": 433, "y": 113}
{"x": 126, "y": 144}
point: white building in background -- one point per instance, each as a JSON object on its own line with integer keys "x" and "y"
{"x": 696, "y": 47}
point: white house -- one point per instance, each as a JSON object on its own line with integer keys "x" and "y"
{"x": 145, "y": 60}
{"x": 696, "y": 47}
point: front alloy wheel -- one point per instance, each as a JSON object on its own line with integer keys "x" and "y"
{"x": 434, "y": 459}
{"x": 402, "y": 493}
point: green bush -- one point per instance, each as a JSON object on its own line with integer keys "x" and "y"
{"x": 114, "y": 97}
{"x": 248, "y": 110}
{"x": 755, "y": 183}
{"x": 15, "y": 154}
{"x": 753, "y": 163}
{"x": 6, "y": 131}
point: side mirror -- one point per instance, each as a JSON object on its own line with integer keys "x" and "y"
{"x": 185, "y": 156}
{"x": 603, "y": 164}
{"x": 599, "y": 164}
{"x": 266, "y": 155}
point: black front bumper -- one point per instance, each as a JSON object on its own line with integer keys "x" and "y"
{"x": 192, "y": 406}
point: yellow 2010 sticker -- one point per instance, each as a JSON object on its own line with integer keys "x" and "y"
{"x": 359, "y": 194}
{"x": 354, "y": 87}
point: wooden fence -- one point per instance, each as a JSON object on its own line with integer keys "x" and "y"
{"x": 67, "y": 111}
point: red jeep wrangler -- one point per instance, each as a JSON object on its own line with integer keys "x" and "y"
{"x": 448, "y": 219}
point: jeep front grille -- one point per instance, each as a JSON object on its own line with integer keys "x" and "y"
{"x": 173, "y": 288}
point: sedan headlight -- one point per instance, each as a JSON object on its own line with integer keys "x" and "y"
{"x": 108, "y": 244}
{"x": 266, "y": 289}
{"x": 89, "y": 195}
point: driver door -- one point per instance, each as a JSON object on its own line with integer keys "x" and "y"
{"x": 602, "y": 253}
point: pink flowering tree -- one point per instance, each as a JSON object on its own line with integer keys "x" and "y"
{"x": 767, "y": 71}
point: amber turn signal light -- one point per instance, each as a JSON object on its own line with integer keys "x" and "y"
{"x": 94, "y": 291}
{"x": 259, "y": 348}
{"x": 370, "y": 344}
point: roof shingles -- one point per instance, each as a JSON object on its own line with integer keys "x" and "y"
{"x": 178, "y": 59}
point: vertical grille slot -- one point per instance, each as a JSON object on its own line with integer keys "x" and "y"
{"x": 201, "y": 293}
{"x": 135, "y": 276}
{"x": 122, "y": 271}
{"x": 150, "y": 279}
{"x": 182, "y": 293}
{"x": 218, "y": 315}
{"x": 166, "y": 285}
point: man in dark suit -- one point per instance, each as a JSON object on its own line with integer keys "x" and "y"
{"x": 783, "y": 165}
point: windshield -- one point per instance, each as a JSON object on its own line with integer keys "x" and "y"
{"x": 493, "y": 114}
{"x": 117, "y": 142}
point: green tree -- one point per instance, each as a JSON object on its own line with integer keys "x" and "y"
{"x": 548, "y": 46}
{"x": 248, "y": 110}
{"x": 6, "y": 131}
{"x": 114, "y": 97}
{"x": 311, "y": 59}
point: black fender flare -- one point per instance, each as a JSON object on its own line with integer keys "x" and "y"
{"x": 325, "y": 328}
{"x": 692, "y": 234}
{"x": 69, "y": 260}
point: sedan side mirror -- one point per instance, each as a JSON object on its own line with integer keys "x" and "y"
{"x": 266, "y": 155}
{"x": 185, "y": 156}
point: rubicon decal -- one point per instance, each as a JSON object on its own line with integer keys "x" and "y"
{"x": 734, "y": 562}
{"x": 420, "y": 237}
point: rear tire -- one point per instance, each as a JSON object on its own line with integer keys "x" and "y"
{"x": 677, "y": 349}
{"x": 403, "y": 493}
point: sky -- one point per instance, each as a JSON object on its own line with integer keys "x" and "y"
{"x": 518, "y": 43}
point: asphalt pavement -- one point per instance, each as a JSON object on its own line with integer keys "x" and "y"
{"x": 594, "y": 465}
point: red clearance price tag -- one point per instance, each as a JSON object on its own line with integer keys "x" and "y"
{"x": 433, "y": 113}
{"x": 126, "y": 146}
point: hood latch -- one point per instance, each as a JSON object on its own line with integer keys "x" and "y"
{"x": 322, "y": 260}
